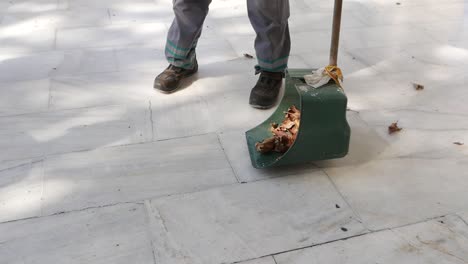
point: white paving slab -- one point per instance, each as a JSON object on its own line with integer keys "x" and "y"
{"x": 442, "y": 130}
{"x": 31, "y": 6}
{"x": 78, "y": 62}
{"x": 382, "y": 36}
{"x": 141, "y": 57}
{"x": 21, "y": 187}
{"x": 395, "y": 192}
{"x": 322, "y": 21}
{"x": 212, "y": 50}
{"x": 221, "y": 77}
{"x": 248, "y": 221}
{"x": 24, "y": 97}
{"x": 29, "y": 67}
{"x": 23, "y": 67}
{"x": 111, "y": 36}
{"x": 107, "y": 3}
{"x": 404, "y": 14}
{"x": 227, "y": 9}
{"x": 230, "y": 110}
{"x": 59, "y": 57}
{"x": 444, "y": 240}
{"x": 181, "y": 116}
{"x": 27, "y": 40}
{"x": 444, "y": 54}
{"x": 134, "y": 172}
{"x": 447, "y": 31}
{"x": 117, "y": 234}
{"x": 61, "y": 18}
{"x": 311, "y": 41}
{"x": 127, "y": 12}
{"x": 38, "y": 134}
{"x": 133, "y": 88}
{"x": 432, "y": 98}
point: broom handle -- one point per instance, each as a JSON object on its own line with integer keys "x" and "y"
{"x": 336, "y": 32}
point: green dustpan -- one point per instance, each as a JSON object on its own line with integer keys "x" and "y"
{"x": 324, "y": 132}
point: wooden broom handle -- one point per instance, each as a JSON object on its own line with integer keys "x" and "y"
{"x": 335, "y": 41}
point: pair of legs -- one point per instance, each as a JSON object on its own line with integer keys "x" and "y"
{"x": 269, "y": 18}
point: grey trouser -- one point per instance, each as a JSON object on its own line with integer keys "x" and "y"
{"x": 269, "y": 18}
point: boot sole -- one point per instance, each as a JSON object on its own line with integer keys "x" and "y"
{"x": 262, "y": 107}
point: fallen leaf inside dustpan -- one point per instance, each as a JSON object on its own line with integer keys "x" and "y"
{"x": 393, "y": 128}
{"x": 284, "y": 134}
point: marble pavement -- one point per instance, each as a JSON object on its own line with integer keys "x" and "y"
{"x": 96, "y": 167}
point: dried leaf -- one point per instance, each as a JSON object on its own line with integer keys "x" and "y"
{"x": 459, "y": 143}
{"x": 418, "y": 87}
{"x": 266, "y": 145}
{"x": 284, "y": 134}
{"x": 393, "y": 128}
{"x": 248, "y": 56}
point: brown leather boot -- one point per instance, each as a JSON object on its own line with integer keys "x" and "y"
{"x": 171, "y": 78}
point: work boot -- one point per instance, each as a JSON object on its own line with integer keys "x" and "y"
{"x": 171, "y": 78}
{"x": 265, "y": 92}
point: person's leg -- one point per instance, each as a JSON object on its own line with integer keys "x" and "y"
{"x": 269, "y": 18}
{"x": 185, "y": 31}
{"x": 181, "y": 43}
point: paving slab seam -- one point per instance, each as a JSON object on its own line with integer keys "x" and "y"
{"x": 345, "y": 238}
{"x": 301, "y": 248}
{"x": 182, "y": 137}
{"x": 355, "y": 213}
{"x": 151, "y": 119}
{"x": 230, "y": 46}
{"x": 45, "y": 157}
{"x": 21, "y": 165}
{"x": 109, "y": 15}
{"x": 54, "y": 46}
{"x": 274, "y": 259}
{"x": 416, "y": 157}
{"x": 426, "y": 244}
{"x": 140, "y": 202}
{"x": 328, "y": 30}
{"x": 150, "y": 221}
{"x": 282, "y": 176}
{"x": 103, "y": 47}
{"x": 426, "y": 129}
{"x": 227, "y": 159}
{"x": 41, "y": 207}
{"x": 155, "y": 218}
{"x": 402, "y": 109}
{"x": 53, "y": 110}
{"x": 413, "y": 223}
{"x": 461, "y": 218}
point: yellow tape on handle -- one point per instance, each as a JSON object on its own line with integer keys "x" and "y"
{"x": 335, "y": 73}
